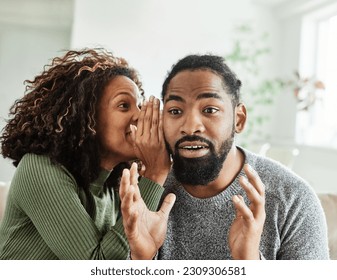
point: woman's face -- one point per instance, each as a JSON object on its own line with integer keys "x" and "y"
{"x": 117, "y": 109}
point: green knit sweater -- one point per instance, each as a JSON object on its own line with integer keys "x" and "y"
{"x": 48, "y": 216}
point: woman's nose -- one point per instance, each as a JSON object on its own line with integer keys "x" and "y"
{"x": 135, "y": 115}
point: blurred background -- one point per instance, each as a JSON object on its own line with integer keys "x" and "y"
{"x": 284, "y": 51}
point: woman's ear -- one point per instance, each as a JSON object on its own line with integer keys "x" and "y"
{"x": 240, "y": 117}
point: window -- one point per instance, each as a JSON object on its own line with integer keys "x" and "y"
{"x": 317, "y": 125}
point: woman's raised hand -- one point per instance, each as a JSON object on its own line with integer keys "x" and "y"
{"x": 144, "y": 229}
{"x": 149, "y": 145}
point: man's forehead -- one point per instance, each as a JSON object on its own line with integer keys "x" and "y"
{"x": 196, "y": 84}
{"x": 196, "y": 78}
{"x": 203, "y": 95}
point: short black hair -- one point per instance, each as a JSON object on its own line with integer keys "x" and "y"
{"x": 213, "y": 63}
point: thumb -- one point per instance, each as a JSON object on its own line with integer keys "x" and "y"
{"x": 133, "y": 129}
{"x": 238, "y": 200}
{"x": 167, "y": 205}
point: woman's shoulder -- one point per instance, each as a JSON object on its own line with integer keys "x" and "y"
{"x": 36, "y": 164}
{"x": 31, "y": 158}
{"x": 40, "y": 166}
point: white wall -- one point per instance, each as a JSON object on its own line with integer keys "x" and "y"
{"x": 318, "y": 166}
{"x": 31, "y": 33}
{"x": 154, "y": 34}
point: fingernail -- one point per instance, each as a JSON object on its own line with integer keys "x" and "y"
{"x": 251, "y": 170}
{"x": 236, "y": 198}
{"x": 156, "y": 101}
{"x": 151, "y": 98}
{"x": 125, "y": 171}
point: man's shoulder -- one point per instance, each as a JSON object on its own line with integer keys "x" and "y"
{"x": 280, "y": 181}
{"x": 270, "y": 169}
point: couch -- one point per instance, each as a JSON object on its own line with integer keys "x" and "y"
{"x": 328, "y": 201}
{"x": 3, "y": 194}
{"x": 329, "y": 204}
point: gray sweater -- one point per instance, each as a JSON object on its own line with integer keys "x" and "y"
{"x": 295, "y": 226}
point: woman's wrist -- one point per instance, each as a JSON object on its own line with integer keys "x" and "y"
{"x": 158, "y": 177}
{"x": 134, "y": 256}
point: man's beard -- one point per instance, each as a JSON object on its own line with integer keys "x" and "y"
{"x": 202, "y": 170}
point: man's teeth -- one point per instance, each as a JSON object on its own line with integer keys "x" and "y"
{"x": 193, "y": 147}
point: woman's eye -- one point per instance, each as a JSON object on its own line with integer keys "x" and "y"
{"x": 174, "y": 111}
{"x": 123, "y": 105}
{"x": 210, "y": 110}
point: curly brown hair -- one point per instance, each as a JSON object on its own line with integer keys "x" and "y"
{"x": 56, "y": 117}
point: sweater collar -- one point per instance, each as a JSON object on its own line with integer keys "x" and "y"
{"x": 96, "y": 187}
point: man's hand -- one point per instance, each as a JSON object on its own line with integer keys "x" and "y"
{"x": 245, "y": 232}
{"x": 149, "y": 144}
{"x": 144, "y": 229}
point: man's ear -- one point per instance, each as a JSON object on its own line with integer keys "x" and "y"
{"x": 240, "y": 117}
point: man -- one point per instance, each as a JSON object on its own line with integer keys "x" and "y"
{"x": 222, "y": 208}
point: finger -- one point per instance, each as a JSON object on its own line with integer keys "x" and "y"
{"x": 235, "y": 200}
{"x": 134, "y": 174}
{"x": 137, "y": 195}
{"x": 134, "y": 180}
{"x": 133, "y": 129}
{"x": 125, "y": 183}
{"x": 127, "y": 203}
{"x": 257, "y": 201}
{"x": 252, "y": 193}
{"x": 155, "y": 119}
{"x": 167, "y": 205}
{"x": 242, "y": 209}
{"x": 140, "y": 123}
{"x": 254, "y": 179}
{"x": 160, "y": 128}
{"x": 148, "y": 117}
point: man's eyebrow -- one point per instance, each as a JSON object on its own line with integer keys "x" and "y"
{"x": 209, "y": 95}
{"x": 174, "y": 97}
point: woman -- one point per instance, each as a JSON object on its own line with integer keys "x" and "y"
{"x": 70, "y": 137}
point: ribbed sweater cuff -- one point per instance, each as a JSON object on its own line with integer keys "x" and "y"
{"x": 118, "y": 247}
{"x": 151, "y": 193}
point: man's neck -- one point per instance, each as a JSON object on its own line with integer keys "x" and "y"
{"x": 230, "y": 169}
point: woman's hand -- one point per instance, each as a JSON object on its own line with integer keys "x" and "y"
{"x": 149, "y": 145}
{"x": 246, "y": 230}
{"x": 144, "y": 229}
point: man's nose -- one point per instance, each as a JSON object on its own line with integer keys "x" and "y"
{"x": 192, "y": 124}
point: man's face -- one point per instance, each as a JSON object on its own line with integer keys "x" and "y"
{"x": 198, "y": 125}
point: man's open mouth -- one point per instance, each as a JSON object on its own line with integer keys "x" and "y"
{"x": 193, "y": 146}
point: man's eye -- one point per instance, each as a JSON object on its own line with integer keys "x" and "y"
{"x": 210, "y": 110}
{"x": 174, "y": 111}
